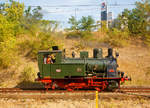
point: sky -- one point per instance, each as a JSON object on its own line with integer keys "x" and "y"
{"x": 62, "y": 10}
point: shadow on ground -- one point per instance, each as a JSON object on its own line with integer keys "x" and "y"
{"x": 28, "y": 84}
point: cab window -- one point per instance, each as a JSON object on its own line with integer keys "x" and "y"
{"x": 49, "y": 59}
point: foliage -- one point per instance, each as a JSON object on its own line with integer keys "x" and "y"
{"x": 28, "y": 74}
{"x": 31, "y": 21}
{"x": 49, "y": 26}
{"x": 117, "y": 38}
{"x": 23, "y": 30}
{"x": 7, "y": 52}
{"x": 121, "y": 22}
{"x": 87, "y": 24}
{"x": 32, "y": 45}
{"x": 9, "y": 24}
{"x": 81, "y": 28}
{"x": 6, "y": 28}
{"x": 104, "y": 26}
{"x": 7, "y": 43}
{"x": 14, "y": 13}
{"x": 74, "y": 24}
{"x": 136, "y": 21}
{"x": 147, "y": 40}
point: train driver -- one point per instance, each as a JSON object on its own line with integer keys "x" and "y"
{"x": 53, "y": 58}
{"x": 49, "y": 60}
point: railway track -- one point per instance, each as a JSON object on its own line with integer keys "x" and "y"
{"x": 134, "y": 90}
{"x": 41, "y": 90}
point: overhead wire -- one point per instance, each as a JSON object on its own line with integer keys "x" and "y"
{"x": 58, "y": 8}
{"x": 56, "y": 11}
{"x": 78, "y": 5}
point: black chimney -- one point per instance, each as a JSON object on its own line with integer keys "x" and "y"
{"x": 55, "y": 47}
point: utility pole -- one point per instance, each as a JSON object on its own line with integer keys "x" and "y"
{"x": 75, "y": 12}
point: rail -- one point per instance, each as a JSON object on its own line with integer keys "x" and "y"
{"x": 42, "y": 90}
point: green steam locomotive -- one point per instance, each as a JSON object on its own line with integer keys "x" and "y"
{"x": 98, "y": 72}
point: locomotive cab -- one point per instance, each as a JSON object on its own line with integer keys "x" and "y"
{"x": 44, "y": 67}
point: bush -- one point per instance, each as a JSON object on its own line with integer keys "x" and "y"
{"x": 117, "y": 38}
{"x": 147, "y": 40}
{"x": 79, "y": 35}
{"x": 31, "y": 45}
{"x": 73, "y": 34}
{"x": 8, "y": 55}
{"x": 28, "y": 74}
{"x": 86, "y": 35}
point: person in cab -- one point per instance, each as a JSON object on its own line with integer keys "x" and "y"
{"x": 45, "y": 59}
{"x": 53, "y": 58}
{"x": 49, "y": 60}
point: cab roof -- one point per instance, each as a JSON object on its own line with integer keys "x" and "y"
{"x": 47, "y": 51}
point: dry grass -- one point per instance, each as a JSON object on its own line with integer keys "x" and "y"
{"x": 72, "y": 104}
{"x": 135, "y": 61}
{"x": 13, "y": 74}
{"x": 105, "y": 101}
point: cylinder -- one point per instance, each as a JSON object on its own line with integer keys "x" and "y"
{"x": 97, "y": 53}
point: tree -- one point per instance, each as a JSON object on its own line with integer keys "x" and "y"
{"x": 87, "y": 24}
{"x": 123, "y": 20}
{"x": 32, "y": 20}
{"x": 14, "y": 11}
{"x": 74, "y": 24}
{"x": 49, "y": 26}
{"x": 82, "y": 27}
{"x": 7, "y": 42}
{"x": 10, "y": 17}
{"x": 136, "y": 19}
{"x": 14, "y": 21}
